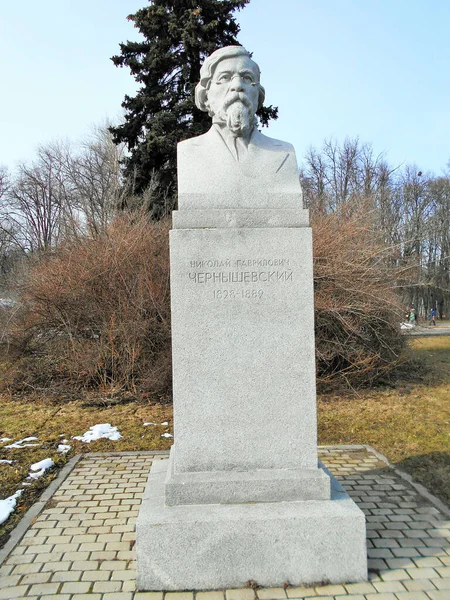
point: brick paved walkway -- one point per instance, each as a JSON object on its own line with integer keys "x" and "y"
{"x": 80, "y": 547}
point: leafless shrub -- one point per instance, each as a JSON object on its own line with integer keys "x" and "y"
{"x": 95, "y": 312}
{"x": 357, "y": 308}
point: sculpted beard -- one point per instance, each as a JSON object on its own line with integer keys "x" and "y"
{"x": 237, "y": 113}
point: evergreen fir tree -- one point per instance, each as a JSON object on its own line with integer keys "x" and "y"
{"x": 178, "y": 34}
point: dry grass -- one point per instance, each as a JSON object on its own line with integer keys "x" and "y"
{"x": 51, "y": 422}
{"x": 408, "y": 422}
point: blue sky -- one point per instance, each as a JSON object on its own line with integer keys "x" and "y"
{"x": 375, "y": 69}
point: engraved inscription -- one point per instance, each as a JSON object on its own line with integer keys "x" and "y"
{"x": 234, "y": 294}
{"x": 212, "y": 273}
{"x": 240, "y": 276}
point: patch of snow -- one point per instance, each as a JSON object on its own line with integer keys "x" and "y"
{"x": 8, "y": 505}
{"x": 39, "y": 468}
{"x": 166, "y": 435}
{"x": 21, "y": 443}
{"x": 406, "y": 326}
{"x": 63, "y": 448}
{"x": 42, "y": 464}
{"x": 7, "y": 302}
{"x": 165, "y": 423}
{"x": 105, "y": 430}
{"x": 147, "y": 424}
{"x": 4, "y": 440}
{"x": 8, "y": 462}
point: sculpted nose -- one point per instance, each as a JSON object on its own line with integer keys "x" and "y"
{"x": 236, "y": 84}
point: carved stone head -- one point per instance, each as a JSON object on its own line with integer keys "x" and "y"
{"x": 229, "y": 88}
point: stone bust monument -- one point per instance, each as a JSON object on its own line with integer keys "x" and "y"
{"x": 234, "y": 165}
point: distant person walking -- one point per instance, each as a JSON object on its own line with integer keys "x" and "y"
{"x": 433, "y": 317}
{"x": 412, "y": 317}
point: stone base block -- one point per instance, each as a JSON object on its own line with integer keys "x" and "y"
{"x": 235, "y": 487}
{"x": 201, "y": 547}
{"x": 263, "y": 217}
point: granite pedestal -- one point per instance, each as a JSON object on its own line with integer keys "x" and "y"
{"x": 211, "y": 546}
{"x": 242, "y": 496}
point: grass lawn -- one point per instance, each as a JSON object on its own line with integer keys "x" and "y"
{"x": 409, "y": 422}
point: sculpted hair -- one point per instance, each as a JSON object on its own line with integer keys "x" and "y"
{"x": 207, "y": 72}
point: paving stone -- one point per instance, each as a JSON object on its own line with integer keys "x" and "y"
{"x": 72, "y": 556}
{"x": 360, "y": 588}
{"x": 33, "y": 578}
{"x": 76, "y": 587}
{"x": 412, "y": 596}
{"x": 6, "y": 570}
{"x": 85, "y": 565}
{"x": 63, "y": 576}
{"x": 39, "y": 589}
{"x": 21, "y": 560}
{"x": 427, "y": 561}
{"x": 441, "y": 584}
{"x": 24, "y": 569}
{"x": 405, "y": 552}
{"x": 419, "y": 585}
{"x": 389, "y": 586}
{"x": 386, "y": 543}
{"x": 300, "y": 592}
{"x": 438, "y": 595}
{"x": 91, "y": 546}
{"x": 422, "y": 573}
{"x": 113, "y": 565}
{"x": 376, "y": 563}
{"x": 237, "y": 594}
{"x": 270, "y": 593}
{"x": 379, "y": 553}
{"x": 129, "y": 586}
{"x": 107, "y": 586}
{"x": 100, "y": 502}
{"x": 96, "y": 576}
{"x": 400, "y": 563}
{"x": 103, "y": 555}
{"x": 124, "y": 575}
{"x": 56, "y": 566}
{"x": 13, "y": 592}
{"x": 10, "y": 580}
{"x": 330, "y": 590}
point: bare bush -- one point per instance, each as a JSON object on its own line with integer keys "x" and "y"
{"x": 357, "y": 310}
{"x": 95, "y": 312}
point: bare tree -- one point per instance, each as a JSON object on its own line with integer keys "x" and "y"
{"x": 340, "y": 172}
{"x": 38, "y": 198}
{"x": 95, "y": 176}
{"x": 411, "y": 210}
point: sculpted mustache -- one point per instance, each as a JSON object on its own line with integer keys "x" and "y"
{"x": 234, "y": 97}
